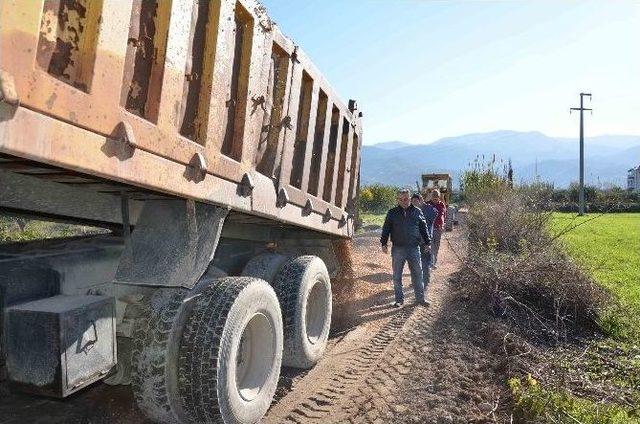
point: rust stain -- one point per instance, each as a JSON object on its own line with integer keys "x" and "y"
{"x": 143, "y": 56}
{"x": 191, "y": 117}
{"x": 51, "y": 100}
{"x": 61, "y": 33}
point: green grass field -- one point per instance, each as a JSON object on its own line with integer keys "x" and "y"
{"x": 372, "y": 219}
{"x": 609, "y": 247}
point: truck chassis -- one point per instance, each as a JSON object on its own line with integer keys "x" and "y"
{"x": 226, "y": 167}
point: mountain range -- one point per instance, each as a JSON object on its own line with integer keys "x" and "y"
{"x": 555, "y": 159}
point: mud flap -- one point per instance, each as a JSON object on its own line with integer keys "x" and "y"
{"x": 172, "y": 244}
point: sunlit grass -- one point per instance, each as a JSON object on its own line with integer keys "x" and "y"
{"x": 608, "y": 246}
{"x": 372, "y": 219}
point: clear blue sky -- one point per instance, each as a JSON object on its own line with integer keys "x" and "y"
{"x": 422, "y": 70}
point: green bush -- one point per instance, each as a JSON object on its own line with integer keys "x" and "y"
{"x": 609, "y": 199}
{"x": 534, "y": 402}
{"x": 17, "y": 229}
{"x": 590, "y": 192}
{"x": 483, "y": 179}
{"x": 377, "y": 198}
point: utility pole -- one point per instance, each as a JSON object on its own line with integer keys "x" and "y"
{"x": 581, "y": 189}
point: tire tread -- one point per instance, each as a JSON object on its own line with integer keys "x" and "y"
{"x": 200, "y": 349}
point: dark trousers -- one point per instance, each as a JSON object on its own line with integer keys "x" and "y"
{"x": 435, "y": 245}
{"x": 425, "y": 256}
{"x": 410, "y": 255}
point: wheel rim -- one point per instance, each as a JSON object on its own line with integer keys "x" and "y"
{"x": 255, "y": 356}
{"x": 316, "y": 314}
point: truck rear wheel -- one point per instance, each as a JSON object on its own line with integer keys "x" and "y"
{"x": 231, "y": 352}
{"x": 154, "y": 357}
{"x": 265, "y": 266}
{"x": 304, "y": 290}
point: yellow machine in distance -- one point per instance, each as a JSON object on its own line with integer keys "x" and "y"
{"x": 441, "y": 182}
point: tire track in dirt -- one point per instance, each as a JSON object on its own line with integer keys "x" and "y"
{"x": 375, "y": 399}
{"x": 320, "y": 393}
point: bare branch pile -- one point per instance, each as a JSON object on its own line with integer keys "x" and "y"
{"x": 516, "y": 266}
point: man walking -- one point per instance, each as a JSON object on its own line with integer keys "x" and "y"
{"x": 438, "y": 225}
{"x": 429, "y": 213}
{"x": 407, "y": 228}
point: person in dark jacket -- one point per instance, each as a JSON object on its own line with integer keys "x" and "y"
{"x": 407, "y": 228}
{"x": 429, "y": 213}
{"x": 428, "y": 210}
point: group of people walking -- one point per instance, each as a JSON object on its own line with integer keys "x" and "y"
{"x": 415, "y": 228}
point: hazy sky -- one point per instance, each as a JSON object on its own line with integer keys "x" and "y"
{"x": 422, "y": 70}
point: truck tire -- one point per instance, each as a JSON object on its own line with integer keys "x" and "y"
{"x": 265, "y": 266}
{"x": 231, "y": 352}
{"x": 153, "y": 360}
{"x": 304, "y": 290}
{"x": 154, "y": 356}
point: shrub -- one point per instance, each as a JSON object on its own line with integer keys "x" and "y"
{"x": 377, "y": 198}
{"x": 483, "y": 179}
{"x": 534, "y": 402}
{"x": 610, "y": 199}
{"x": 590, "y": 192}
{"x": 522, "y": 273}
{"x": 18, "y": 229}
{"x": 519, "y": 270}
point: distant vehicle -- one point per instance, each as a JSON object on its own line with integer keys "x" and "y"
{"x": 226, "y": 166}
{"x": 442, "y": 182}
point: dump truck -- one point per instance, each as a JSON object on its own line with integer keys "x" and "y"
{"x": 225, "y": 170}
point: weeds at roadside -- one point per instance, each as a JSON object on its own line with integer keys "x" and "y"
{"x": 515, "y": 266}
{"x": 534, "y": 402}
{"x": 16, "y": 230}
{"x": 552, "y": 311}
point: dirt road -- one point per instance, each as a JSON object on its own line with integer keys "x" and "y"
{"x": 413, "y": 364}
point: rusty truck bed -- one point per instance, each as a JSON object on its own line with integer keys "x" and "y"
{"x": 194, "y": 99}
